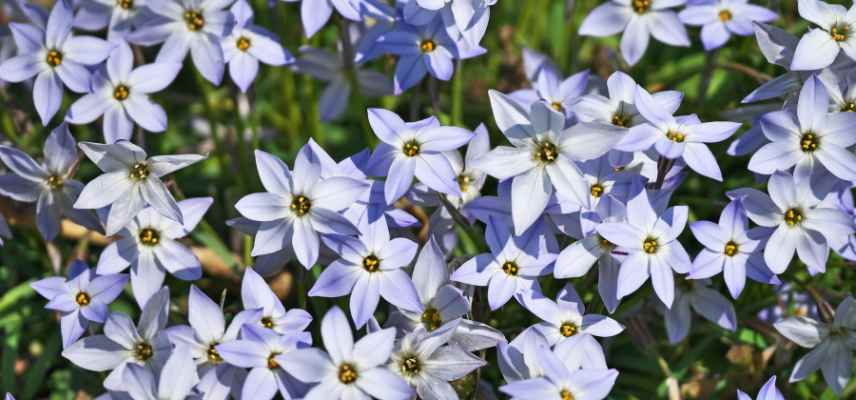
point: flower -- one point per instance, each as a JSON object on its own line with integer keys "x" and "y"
{"x": 130, "y": 182}
{"x": 257, "y": 295}
{"x": 639, "y": 19}
{"x": 120, "y": 93}
{"x": 49, "y": 185}
{"x": 326, "y": 66}
{"x": 677, "y": 137}
{"x": 512, "y": 266}
{"x": 801, "y": 223}
{"x": 442, "y": 303}
{"x": 560, "y": 381}
{"x": 81, "y": 298}
{"x": 565, "y": 322}
{"x": 175, "y": 381}
{"x": 206, "y": 331}
{"x": 55, "y": 57}
{"x": 730, "y": 249}
{"x": 720, "y": 19}
{"x": 264, "y": 351}
{"x": 709, "y": 303}
{"x": 348, "y": 370}
{"x": 150, "y": 245}
{"x": 830, "y": 344}
{"x": 122, "y": 343}
{"x": 835, "y": 32}
{"x": 767, "y": 392}
{"x": 314, "y": 14}
{"x": 617, "y": 108}
{"x": 561, "y": 95}
{"x": 415, "y": 149}
{"x": 543, "y": 156}
{"x": 297, "y": 207}
{"x": 428, "y": 362}
{"x": 369, "y": 267}
{"x": 577, "y": 259}
{"x": 118, "y": 16}
{"x": 248, "y": 44}
{"x": 423, "y": 50}
{"x": 841, "y": 89}
{"x": 815, "y": 137}
{"x": 187, "y": 26}
{"x": 650, "y": 240}
{"x": 462, "y": 18}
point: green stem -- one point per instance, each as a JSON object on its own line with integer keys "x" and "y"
{"x": 351, "y": 71}
{"x": 458, "y": 94}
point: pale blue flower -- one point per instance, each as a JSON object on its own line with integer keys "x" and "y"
{"x": 831, "y": 345}
{"x": 650, "y": 240}
{"x": 123, "y": 343}
{"x": 415, "y": 149}
{"x": 370, "y": 267}
{"x": 707, "y": 302}
{"x": 639, "y": 19}
{"x": 348, "y": 370}
{"x": 768, "y": 392}
{"x": 121, "y": 92}
{"x": 49, "y": 184}
{"x": 82, "y": 298}
{"x": 834, "y": 34}
{"x": 720, "y": 19}
{"x": 298, "y": 206}
{"x": 249, "y": 44}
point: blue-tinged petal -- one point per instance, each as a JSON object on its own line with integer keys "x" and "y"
{"x": 815, "y": 50}
{"x": 605, "y": 20}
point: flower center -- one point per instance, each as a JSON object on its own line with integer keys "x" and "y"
{"x": 566, "y": 394}
{"x": 619, "y": 119}
{"x": 839, "y": 32}
{"x": 793, "y": 216}
{"x": 300, "y": 205}
{"x": 194, "y": 20}
{"x": 149, "y": 237}
{"x": 271, "y": 361}
{"x": 243, "y": 43}
{"x": 809, "y": 142}
{"x": 731, "y": 248}
{"x": 142, "y": 351}
{"x": 54, "y": 182}
{"x": 139, "y": 171}
{"x": 82, "y": 299}
{"x": 347, "y": 374}
{"x": 125, "y": 4}
{"x": 557, "y": 105}
{"x": 464, "y": 182}
{"x": 606, "y": 245}
{"x": 650, "y": 245}
{"x": 54, "y": 58}
{"x": 725, "y": 15}
{"x": 427, "y": 46}
{"x": 546, "y": 152}
{"x": 510, "y": 268}
{"x": 568, "y": 329}
{"x": 121, "y": 92}
{"x": 213, "y": 355}
{"x": 267, "y": 322}
{"x": 596, "y": 190}
{"x": 676, "y": 136}
{"x": 411, "y": 148}
{"x": 641, "y": 6}
{"x": 371, "y": 263}
{"x": 849, "y": 106}
{"x": 431, "y": 319}
{"x": 410, "y": 365}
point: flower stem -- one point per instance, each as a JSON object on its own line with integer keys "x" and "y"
{"x": 351, "y": 72}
